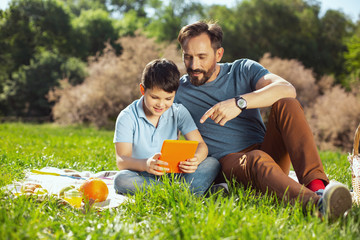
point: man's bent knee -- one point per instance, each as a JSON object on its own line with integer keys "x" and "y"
{"x": 287, "y": 102}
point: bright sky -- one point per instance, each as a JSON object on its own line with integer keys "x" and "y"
{"x": 349, "y": 7}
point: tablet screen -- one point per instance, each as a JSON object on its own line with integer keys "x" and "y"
{"x": 176, "y": 151}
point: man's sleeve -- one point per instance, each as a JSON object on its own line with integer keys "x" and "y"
{"x": 255, "y": 72}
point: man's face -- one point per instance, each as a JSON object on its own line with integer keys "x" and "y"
{"x": 200, "y": 59}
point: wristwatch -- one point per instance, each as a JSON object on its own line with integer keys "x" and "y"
{"x": 240, "y": 102}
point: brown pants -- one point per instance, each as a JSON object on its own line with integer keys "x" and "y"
{"x": 265, "y": 167}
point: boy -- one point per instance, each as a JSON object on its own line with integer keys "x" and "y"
{"x": 142, "y": 127}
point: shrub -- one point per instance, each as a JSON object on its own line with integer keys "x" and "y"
{"x": 333, "y": 119}
{"x": 111, "y": 85}
{"x": 293, "y": 71}
{"x": 325, "y": 83}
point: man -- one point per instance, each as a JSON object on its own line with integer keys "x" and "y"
{"x": 224, "y": 100}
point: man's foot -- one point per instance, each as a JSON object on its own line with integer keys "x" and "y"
{"x": 335, "y": 201}
{"x": 316, "y": 185}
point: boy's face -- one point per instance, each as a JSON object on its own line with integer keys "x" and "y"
{"x": 157, "y": 101}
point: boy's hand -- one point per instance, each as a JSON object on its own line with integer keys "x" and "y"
{"x": 152, "y": 165}
{"x": 190, "y": 165}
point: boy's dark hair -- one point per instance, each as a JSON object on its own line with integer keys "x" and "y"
{"x": 161, "y": 73}
{"x": 212, "y": 29}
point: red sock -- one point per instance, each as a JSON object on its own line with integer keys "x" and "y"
{"x": 315, "y": 185}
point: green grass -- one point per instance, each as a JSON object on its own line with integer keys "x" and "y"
{"x": 170, "y": 212}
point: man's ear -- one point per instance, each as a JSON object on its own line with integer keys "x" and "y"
{"x": 142, "y": 89}
{"x": 219, "y": 54}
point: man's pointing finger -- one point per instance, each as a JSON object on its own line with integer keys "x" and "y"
{"x": 206, "y": 115}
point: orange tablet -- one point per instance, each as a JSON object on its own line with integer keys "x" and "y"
{"x": 176, "y": 151}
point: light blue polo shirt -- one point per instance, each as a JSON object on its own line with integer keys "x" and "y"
{"x": 132, "y": 126}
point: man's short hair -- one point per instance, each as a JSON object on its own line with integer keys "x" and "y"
{"x": 161, "y": 73}
{"x": 212, "y": 29}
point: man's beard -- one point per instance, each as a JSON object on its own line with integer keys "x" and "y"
{"x": 206, "y": 75}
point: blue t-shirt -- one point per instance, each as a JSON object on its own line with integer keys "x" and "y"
{"x": 132, "y": 126}
{"x": 234, "y": 79}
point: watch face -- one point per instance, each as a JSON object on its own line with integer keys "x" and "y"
{"x": 241, "y": 103}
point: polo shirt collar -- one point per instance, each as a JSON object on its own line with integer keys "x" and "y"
{"x": 140, "y": 109}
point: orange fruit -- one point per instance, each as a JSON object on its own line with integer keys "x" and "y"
{"x": 95, "y": 188}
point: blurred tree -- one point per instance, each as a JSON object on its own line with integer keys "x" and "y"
{"x": 168, "y": 19}
{"x": 37, "y": 49}
{"x": 130, "y": 23}
{"x": 127, "y": 16}
{"x": 331, "y": 41}
{"x": 74, "y": 70}
{"x": 91, "y": 30}
{"x": 43, "y": 23}
{"x": 25, "y": 94}
{"x": 259, "y": 26}
{"x": 287, "y": 29}
{"x": 124, "y": 6}
{"x": 352, "y": 60}
{"x": 76, "y": 6}
{"x": 27, "y": 27}
{"x": 31, "y": 24}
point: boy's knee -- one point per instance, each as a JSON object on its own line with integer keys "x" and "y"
{"x": 211, "y": 162}
{"x": 210, "y": 165}
{"x": 123, "y": 174}
{"x": 121, "y": 180}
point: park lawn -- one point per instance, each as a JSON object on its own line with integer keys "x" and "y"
{"x": 170, "y": 212}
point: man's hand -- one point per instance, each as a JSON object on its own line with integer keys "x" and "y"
{"x": 152, "y": 165}
{"x": 190, "y": 165}
{"x": 222, "y": 112}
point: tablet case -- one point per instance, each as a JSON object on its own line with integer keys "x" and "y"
{"x": 176, "y": 151}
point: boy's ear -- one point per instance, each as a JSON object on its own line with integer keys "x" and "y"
{"x": 142, "y": 89}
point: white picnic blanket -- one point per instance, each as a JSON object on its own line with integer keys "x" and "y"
{"x": 53, "y": 184}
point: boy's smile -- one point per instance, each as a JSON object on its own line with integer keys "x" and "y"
{"x": 156, "y": 102}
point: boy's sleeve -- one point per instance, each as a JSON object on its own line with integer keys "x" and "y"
{"x": 124, "y": 128}
{"x": 186, "y": 123}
